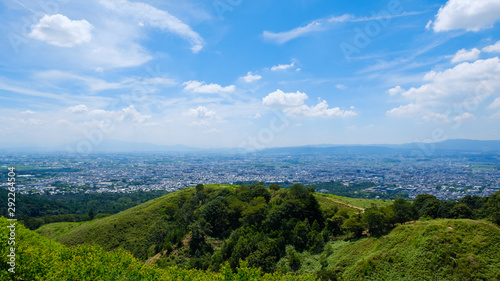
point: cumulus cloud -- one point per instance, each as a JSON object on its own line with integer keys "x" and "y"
{"x": 467, "y": 85}
{"x": 125, "y": 114}
{"x": 464, "y": 55}
{"x": 293, "y": 104}
{"x": 78, "y": 108}
{"x": 468, "y": 15}
{"x": 280, "y": 98}
{"x": 203, "y": 88}
{"x": 395, "y": 91}
{"x": 60, "y": 31}
{"x": 249, "y": 78}
{"x": 202, "y": 116}
{"x": 282, "y": 66}
{"x": 495, "y": 48}
{"x": 151, "y": 16}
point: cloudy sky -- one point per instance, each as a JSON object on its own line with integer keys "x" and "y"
{"x": 253, "y": 74}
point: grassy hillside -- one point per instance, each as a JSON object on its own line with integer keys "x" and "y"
{"x": 427, "y": 250}
{"x": 328, "y": 200}
{"x": 297, "y": 231}
{"x": 40, "y": 258}
{"x": 128, "y": 228}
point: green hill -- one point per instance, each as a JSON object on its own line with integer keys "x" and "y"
{"x": 40, "y": 258}
{"x": 425, "y": 250}
{"x": 129, "y": 229}
{"x": 296, "y": 231}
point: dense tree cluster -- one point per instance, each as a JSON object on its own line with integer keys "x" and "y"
{"x": 268, "y": 227}
{"x": 35, "y": 211}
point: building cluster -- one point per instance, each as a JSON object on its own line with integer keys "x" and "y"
{"x": 444, "y": 177}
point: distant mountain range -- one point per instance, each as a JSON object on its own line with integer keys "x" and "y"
{"x": 427, "y": 149}
{"x": 417, "y": 148}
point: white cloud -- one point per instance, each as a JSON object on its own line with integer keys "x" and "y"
{"x": 293, "y": 104}
{"x": 249, "y": 78}
{"x": 464, "y": 55}
{"x": 404, "y": 110}
{"x": 324, "y": 24}
{"x": 151, "y": 16}
{"x": 118, "y": 54}
{"x": 468, "y": 15}
{"x": 203, "y": 88}
{"x": 495, "y": 48}
{"x": 164, "y": 81}
{"x": 282, "y": 66}
{"x": 202, "y": 116}
{"x": 319, "y": 110}
{"x": 280, "y": 98}
{"x": 495, "y": 103}
{"x": 125, "y": 114}
{"x": 60, "y": 31}
{"x": 341, "y": 87}
{"x": 395, "y": 91}
{"x": 28, "y": 112}
{"x": 283, "y": 37}
{"x": 463, "y": 117}
{"x": 428, "y": 25}
{"x": 78, "y": 108}
{"x": 466, "y": 85}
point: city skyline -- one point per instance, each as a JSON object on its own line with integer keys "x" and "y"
{"x": 231, "y": 73}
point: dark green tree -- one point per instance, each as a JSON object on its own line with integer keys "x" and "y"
{"x": 493, "y": 207}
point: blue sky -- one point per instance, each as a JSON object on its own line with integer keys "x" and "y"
{"x": 252, "y": 74}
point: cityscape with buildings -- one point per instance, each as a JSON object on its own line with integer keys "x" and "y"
{"x": 446, "y": 177}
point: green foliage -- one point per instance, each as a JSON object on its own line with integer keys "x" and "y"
{"x": 39, "y": 258}
{"x": 493, "y": 207}
{"x": 292, "y": 232}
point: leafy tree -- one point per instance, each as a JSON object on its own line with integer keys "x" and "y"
{"x": 334, "y": 225}
{"x": 255, "y": 212}
{"x": 197, "y": 244}
{"x": 420, "y": 200}
{"x": 312, "y": 210}
{"x": 297, "y": 190}
{"x": 493, "y": 207}
{"x": 91, "y": 213}
{"x": 403, "y": 211}
{"x": 375, "y": 220}
{"x": 216, "y": 213}
{"x": 461, "y": 211}
{"x": 445, "y": 209}
{"x": 354, "y": 225}
{"x": 274, "y": 187}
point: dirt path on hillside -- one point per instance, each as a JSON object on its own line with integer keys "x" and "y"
{"x": 347, "y": 205}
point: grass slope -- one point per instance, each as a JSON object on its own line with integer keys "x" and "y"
{"x": 40, "y": 258}
{"x": 128, "y": 229}
{"x": 426, "y": 250}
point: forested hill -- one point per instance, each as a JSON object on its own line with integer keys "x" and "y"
{"x": 296, "y": 230}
